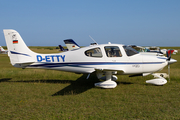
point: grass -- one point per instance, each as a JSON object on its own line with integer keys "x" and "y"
{"x": 49, "y": 94}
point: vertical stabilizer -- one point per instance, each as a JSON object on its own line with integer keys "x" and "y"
{"x": 71, "y": 45}
{"x": 62, "y": 49}
{"x": 2, "y": 51}
{"x": 1, "y": 48}
{"x": 18, "y": 52}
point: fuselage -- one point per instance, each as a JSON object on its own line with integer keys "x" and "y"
{"x": 87, "y": 59}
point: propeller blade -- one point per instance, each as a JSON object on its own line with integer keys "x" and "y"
{"x": 170, "y": 61}
{"x": 168, "y": 54}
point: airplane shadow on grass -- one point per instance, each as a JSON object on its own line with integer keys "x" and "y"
{"x": 5, "y": 79}
{"x": 76, "y": 86}
{"x": 81, "y": 85}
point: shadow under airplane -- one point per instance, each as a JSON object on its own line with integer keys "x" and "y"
{"x": 76, "y": 87}
{"x": 5, "y": 79}
{"x": 79, "y": 86}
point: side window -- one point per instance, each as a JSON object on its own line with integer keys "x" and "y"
{"x": 112, "y": 51}
{"x": 95, "y": 52}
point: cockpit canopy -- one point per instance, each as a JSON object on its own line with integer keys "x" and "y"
{"x": 111, "y": 51}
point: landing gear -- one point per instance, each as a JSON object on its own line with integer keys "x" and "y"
{"x": 108, "y": 83}
{"x": 158, "y": 81}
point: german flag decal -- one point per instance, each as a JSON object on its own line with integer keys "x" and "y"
{"x": 15, "y": 41}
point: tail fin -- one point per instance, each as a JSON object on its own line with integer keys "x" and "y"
{"x": 1, "y": 48}
{"x": 71, "y": 45}
{"x": 2, "y": 51}
{"x": 62, "y": 49}
{"x": 20, "y": 55}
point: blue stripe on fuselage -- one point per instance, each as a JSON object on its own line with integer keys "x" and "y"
{"x": 82, "y": 64}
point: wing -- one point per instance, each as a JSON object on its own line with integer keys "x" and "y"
{"x": 111, "y": 69}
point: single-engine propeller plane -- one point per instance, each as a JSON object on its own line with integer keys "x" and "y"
{"x": 105, "y": 59}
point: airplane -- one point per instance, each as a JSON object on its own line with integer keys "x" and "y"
{"x": 164, "y": 51}
{"x": 2, "y": 51}
{"x": 62, "y": 49}
{"x": 161, "y": 51}
{"x": 105, "y": 60}
{"x": 145, "y": 50}
{"x": 71, "y": 45}
{"x": 153, "y": 50}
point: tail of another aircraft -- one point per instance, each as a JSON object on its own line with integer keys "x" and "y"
{"x": 2, "y": 51}
{"x": 71, "y": 45}
{"x": 62, "y": 49}
{"x": 20, "y": 55}
{"x": 1, "y": 48}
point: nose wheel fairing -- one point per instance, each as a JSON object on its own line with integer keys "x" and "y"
{"x": 158, "y": 80}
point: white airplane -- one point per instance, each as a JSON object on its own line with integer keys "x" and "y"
{"x": 105, "y": 59}
{"x": 71, "y": 45}
{"x": 2, "y": 51}
{"x": 164, "y": 51}
{"x": 146, "y": 50}
{"x": 153, "y": 50}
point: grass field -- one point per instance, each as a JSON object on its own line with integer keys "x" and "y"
{"x": 48, "y": 94}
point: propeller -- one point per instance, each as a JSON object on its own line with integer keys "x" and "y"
{"x": 170, "y": 61}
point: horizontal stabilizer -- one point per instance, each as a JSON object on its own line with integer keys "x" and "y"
{"x": 22, "y": 65}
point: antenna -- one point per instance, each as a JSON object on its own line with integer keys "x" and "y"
{"x": 93, "y": 39}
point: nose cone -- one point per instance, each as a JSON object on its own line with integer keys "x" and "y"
{"x": 171, "y": 61}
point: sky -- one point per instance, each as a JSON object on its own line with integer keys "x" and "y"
{"x": 129, "y": 22}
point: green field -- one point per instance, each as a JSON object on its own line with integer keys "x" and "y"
{"x": 48, "y": 94}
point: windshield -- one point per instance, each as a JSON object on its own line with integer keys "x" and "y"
{"x": 130, "y": 51}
